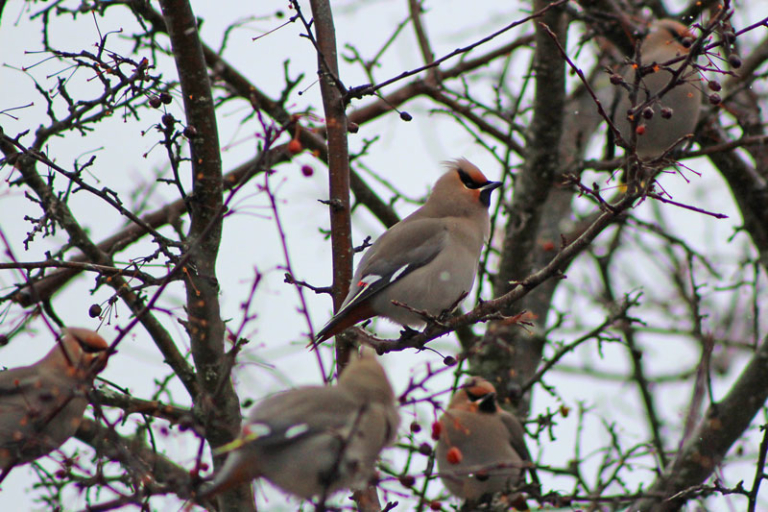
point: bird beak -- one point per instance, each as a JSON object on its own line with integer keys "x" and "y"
{"x": 485, "y": 192}
{"x": 487, "y": 404}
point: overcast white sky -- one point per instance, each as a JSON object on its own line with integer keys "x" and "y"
{"x": 408, "y": 155}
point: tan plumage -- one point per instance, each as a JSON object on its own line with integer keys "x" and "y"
{"x": 313, "y": 441}
{"x": 487, "y": 442}
{"x": 428, "y": 260}
{"x": 663, "y": 43}
{"x": 42, "y": 405}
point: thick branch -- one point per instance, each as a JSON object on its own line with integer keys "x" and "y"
{"x": 220, "y": 405}
{"x": 723, "y": 424}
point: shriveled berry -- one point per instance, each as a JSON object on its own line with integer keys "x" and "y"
{"x": 425, "y": 449}
{"x": 734, "y": 60}
{"x": 648, "y": 113}
{"x": 435, "y": 505}
{"x": 415, "y": 427}
{"x": 405, "y": 116}
{"x": 715, "y": 98}
{"x": 166, "y": 98}
{"x": 353, "y": 127}
{"x": 687, "y": 42}
{"x": 666, "y": 112}
{"x": 714, "y": 85}
{"x": 407, "y": 480}
{"x": 155, "y": 102}
{"x": 94, "y": 311}
{"x": 454, "y": 456}
{"x": 190, "y": 131}
{"x": 307, "y": 170}
{"x": 168, "y": 120}
{"x": 449, "y": 360}
{"x": 617, "y": 79}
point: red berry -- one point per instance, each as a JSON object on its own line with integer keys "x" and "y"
{"x": 454, "y": 456}
{"x": 295, "y": 147}
{"x": 437, "y": 428}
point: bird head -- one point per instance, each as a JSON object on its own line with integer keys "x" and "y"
{"x": 80, "y": 350}
{"x": 475, "y": 395}
{"x": 666, "y": 40}
{"x": 462, "y": 190}
{"x": 365, "y": 375}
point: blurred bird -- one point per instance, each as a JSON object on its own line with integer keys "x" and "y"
{"x": 481, "y": 450}
{"x": 676, "y": 112}
{"x": 427, "y": 261}
{"x": 313, "y": 441}
{"x": 42, "y": 405}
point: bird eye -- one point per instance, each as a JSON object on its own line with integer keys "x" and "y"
{"x": 467, "y": 180}
{"x": 472, "y": 396}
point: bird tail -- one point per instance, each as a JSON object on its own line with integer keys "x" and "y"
{"x": 343, "y": 320}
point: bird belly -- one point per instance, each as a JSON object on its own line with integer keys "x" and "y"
{"x": 660, "y": 134}
{"x": 433, "y": 288}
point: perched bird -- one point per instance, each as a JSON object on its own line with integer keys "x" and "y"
{"x": 427, "y": 261}
{"x": 42, "y": 405}
{"x": 675, "y": 113}
{"x": 313, "y": 441}
{"x": 481, "y": 450}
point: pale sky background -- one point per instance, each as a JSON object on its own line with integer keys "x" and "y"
{"x": 408, "y": 155}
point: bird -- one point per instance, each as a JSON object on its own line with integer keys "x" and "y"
{"x": 675, "y": 114}
{"x": 481, "y": 449}
{"x": 428, "y": 260}
{"x": 42, "y": 405}
{"x": 316, "y": 440}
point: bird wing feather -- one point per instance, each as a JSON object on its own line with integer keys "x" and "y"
{"x": 395, "y": 255}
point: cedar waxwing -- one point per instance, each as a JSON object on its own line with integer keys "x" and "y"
{"x": 481, "y": 450}
{"x": 42, "y": 405}
{"x": 313, "y": 441}
{"x": 426, "y": 261}
{"x": 676, "y": 113}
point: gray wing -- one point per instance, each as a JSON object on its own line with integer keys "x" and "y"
{"x": 292, "y": 415}
{"x": 517, "y": 440}
{"x": 397, "y": 253}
